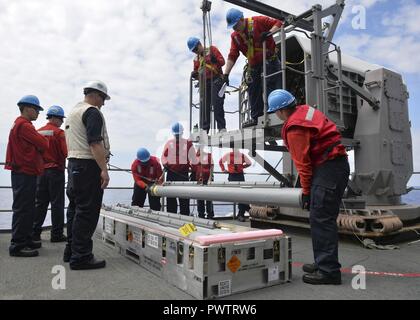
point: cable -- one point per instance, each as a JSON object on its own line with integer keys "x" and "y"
{"x": 415, "y": 241}
{"x": 125, "y": 170}
{"x": 295, "y": 63}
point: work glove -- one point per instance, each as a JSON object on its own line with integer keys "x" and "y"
{"x": 148, "y": 188}
{"x": 306, "y": 201}
{"x": 265, "y": 35}
{"x": 226, "y": 79}
{"x": 213, "y": 59}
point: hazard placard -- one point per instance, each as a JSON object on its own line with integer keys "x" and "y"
{"x": 187, "y": 229}
{"x": 233, "y": 264}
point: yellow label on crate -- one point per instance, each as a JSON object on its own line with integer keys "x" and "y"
{"x": 187, "y": 229}
{"x": 233, "y": 264}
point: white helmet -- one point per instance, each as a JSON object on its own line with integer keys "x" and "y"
{"x": 98, "y": 85}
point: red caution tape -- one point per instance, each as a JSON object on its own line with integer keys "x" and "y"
{"x": 373, "y": 273}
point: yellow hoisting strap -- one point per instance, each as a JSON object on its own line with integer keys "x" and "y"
{"x": 250, "y": 40}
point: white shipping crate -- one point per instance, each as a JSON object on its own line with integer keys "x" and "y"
{"x": 219, "y": 268}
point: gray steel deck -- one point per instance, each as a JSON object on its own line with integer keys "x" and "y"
{"x": 30, "y": 278}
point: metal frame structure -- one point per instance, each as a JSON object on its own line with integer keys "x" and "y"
{"x": 369, "y": 107}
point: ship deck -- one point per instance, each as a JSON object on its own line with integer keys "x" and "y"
{"x": 392, "y": 274}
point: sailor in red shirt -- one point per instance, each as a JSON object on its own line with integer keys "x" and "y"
{"x": 248, "y": 38}
{"x": 208, "y": 69}
{"x": 321, "y": 160}
{"x": 24, "y": 159}
{"x": 50, "y": 185}
{"x": 178, "y": 158}
{"x": 236, "y": 162}
{"x": 203, "y": 173}
{"x": 146, "y": 170}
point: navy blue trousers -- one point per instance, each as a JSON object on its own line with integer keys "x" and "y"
{"x": 241, "y": 207}
{"x": 329, "y": 181}
{"x": 203, "y": 205}
{"x": 85, "y": 196}
{"x": 139, "y": 197}
{"x": 172, "y": 203}
{"x": 255, "y": 88}
{"x": 213, "y": 87}
{"x": 24, "y": 189}
{"x": 50, "y": 189}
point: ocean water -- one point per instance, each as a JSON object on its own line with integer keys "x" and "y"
{"x": 124, "y": 197}
{"x": 110, "y": 197}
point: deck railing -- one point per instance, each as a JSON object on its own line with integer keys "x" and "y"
{"x": 115, "y": 169}
{"x": 233, "y": 205}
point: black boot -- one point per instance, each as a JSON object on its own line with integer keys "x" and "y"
{"x": 88, "y": 265}
{"x": 34, "y": 245}
{"x": 61, "y": 238}
{"x": 309, "y": 268}
{"x": 241, "y": 219}
{"x": 25, "y": 252}
{"x": 36, "y": 238}
{"x": 322, "y": 278}
{"x": 250, "y": 123}
{"x": 67, "y": 254}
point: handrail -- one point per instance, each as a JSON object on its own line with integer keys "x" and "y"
{"x": 130, "y": 188}
{"x": 191, "y": 204}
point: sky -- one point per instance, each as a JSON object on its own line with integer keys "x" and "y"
{"x": 51, "y": 48}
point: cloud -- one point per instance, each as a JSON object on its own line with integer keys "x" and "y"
{"x": 398, "y": 52}
{"x": 395, "y": 43}
{"x": 405, "y": 19}
{"x": 138, "y": 48}
{"x": 132, "y": 46}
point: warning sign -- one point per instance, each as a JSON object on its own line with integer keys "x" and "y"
{"x": 187, "y": 229}
{"x": 233, "y": 264}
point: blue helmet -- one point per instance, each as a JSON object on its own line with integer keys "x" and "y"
{"x": 55, "y": 111}
{"x": 143, "y": 155}
{"x": 177, "y": 129}
{"x": 233, "y": 16}
{"x": 30, "y": 100}
{"x": 280, "y": 99}
{"x": 193, "y": 43}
